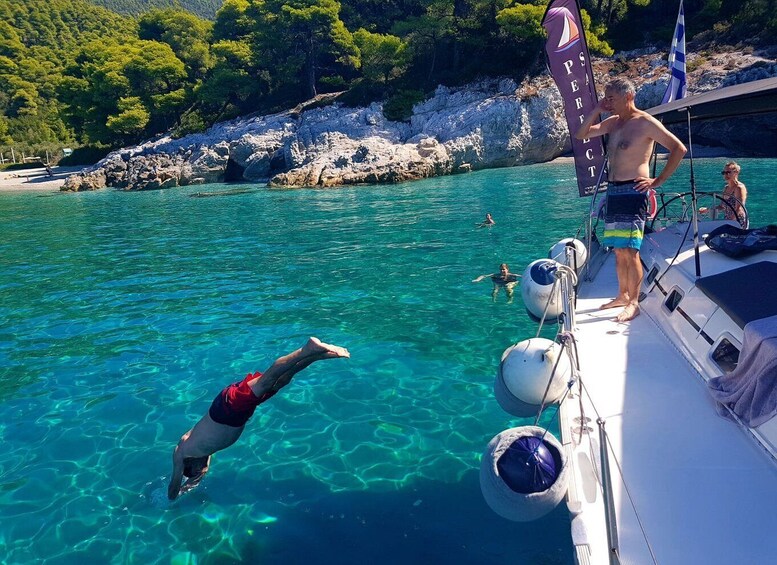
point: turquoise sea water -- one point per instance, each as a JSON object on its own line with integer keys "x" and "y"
{"x": 123, "y": 314}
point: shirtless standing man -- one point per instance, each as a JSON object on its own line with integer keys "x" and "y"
{"x": 222, "y": 425}
{"x": 632, "y": 133}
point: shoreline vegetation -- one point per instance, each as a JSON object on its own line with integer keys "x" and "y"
{"x": 488, "y": 124}
{"x": 185, "y": 101}
{"x": 76, "y": 75}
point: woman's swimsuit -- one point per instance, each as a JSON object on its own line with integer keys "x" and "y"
{"x": 733, "y": 204}
{"x": 234, "y": 405}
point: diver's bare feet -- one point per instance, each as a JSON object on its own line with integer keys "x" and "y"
{"x": 315, "y": 346}
{"x": 615, "y": 303}
{"x": 629, "y": 313}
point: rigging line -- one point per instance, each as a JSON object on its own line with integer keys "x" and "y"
{"x": 590, "y": 226}
{"x": 564, "y": 269}
{"x": 579, "y": 379}
{"x": 623, "y": 478}
{"x": 596, "y": 192}
{"x": 572, "y": 379}
{"x": 631, "y": 500}
{"x": 570, "y": 384}
{"x": 550, "y": 380}
{"x": 671, "y": 263}
{"x": 547, "y": 306}
{"x": 582, "y": 415}
{"x": 566, "y": 336}
{"x": 572, "y": 353}
{"x": 694, "y": 212}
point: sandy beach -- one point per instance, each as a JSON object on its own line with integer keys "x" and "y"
{"x": 35, "y": 179}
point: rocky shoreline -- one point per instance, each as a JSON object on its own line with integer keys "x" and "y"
{"x": 494, "y": 123}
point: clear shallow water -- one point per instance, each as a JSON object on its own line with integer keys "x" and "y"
{"x": 123, "y": 314}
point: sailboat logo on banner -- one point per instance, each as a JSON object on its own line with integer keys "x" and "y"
{"x": 571, "y": 33}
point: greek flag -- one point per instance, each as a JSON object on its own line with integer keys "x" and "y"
{"x": 676, "y": 88}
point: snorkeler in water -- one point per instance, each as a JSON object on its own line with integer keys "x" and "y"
{"x": 225, "y": 421}
{"x": 503, "y": 279}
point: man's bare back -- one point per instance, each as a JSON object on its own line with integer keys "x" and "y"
{"x": 192, "y": 455}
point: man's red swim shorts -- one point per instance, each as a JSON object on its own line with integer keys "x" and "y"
{"x": 234, "y": 405}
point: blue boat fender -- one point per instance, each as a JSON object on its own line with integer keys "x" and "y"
{"x": 537, "y": 289}
{"x": 524, "y": 473}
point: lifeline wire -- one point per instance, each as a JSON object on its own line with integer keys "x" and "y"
{"x": 671, "y": 263}
{"x": 565, "y": 337}
{"x": 570, "y": 384}
{"x": 623, "y": 479}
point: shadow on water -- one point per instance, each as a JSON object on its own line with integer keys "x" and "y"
{"x": 303, "y": 522}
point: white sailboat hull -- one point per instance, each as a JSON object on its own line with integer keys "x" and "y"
{"x": 687, "y": 484}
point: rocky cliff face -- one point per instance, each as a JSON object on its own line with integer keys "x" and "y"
{"x": 495, "y": 123}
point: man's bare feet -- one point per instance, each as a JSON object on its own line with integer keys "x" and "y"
{"x": 615, "y": 303}
{"x": 629, "y": 313}
{"x": 315, "y": 346}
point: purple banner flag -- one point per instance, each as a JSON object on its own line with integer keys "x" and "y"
{"x": 570, "y": 66}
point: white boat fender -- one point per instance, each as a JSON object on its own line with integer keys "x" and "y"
{"x": 538, "y": 288}
{"x": 559, "y": 253}
{"x": 524, "y": 473}
{"x": 524, "y": 372}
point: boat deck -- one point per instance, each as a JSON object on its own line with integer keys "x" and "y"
{"x": 702, "y": 488}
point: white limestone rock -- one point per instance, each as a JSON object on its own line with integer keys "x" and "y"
{"x": 370, "y": 160}
{"x": 493, "y": 123}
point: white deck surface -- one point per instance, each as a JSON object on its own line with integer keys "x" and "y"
{"x": 705, "y": 492}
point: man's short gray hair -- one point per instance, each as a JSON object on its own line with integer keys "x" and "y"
{"x": 621, "y": 85}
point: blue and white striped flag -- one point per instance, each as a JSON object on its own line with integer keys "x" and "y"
{"x": 677, "y": 87}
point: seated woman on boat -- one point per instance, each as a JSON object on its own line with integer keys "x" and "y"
{"x": 504, "y": 278}
{"x": 734, "y": 194}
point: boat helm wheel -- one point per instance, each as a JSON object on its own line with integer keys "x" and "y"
{"x": 676, "y": 209}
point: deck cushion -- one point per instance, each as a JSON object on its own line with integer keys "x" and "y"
{"x": 746, "y": 294}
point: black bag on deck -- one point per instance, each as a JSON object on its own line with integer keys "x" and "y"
{"x": 737, "y": 242}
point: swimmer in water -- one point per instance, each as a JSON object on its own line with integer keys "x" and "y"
{"x": 487, "y": 223}
{"x": 225, "y": 421}
{"x": 503, "y": 279}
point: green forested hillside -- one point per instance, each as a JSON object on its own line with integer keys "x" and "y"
{"x": 71, "y": 72}
{"x": 38, "y": 38}
{"x": 203, "y": 8}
